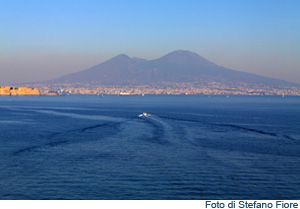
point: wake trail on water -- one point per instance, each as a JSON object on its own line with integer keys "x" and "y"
{"x": 80, "y": 116}
{"x": 235, "y": 127}
{"x": 181, "y": 119}
{"x": 177, "y": 134}
{"x": 254, "y": 130}
{"x": 56, "y": 137}
{"x": 159, "y": 130}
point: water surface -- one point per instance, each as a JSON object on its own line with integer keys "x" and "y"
{"x": 192, "y": 147}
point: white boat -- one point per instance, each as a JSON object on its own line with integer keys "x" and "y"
{"x": 63, "y": 92}
{"x": 128, "y": 94}
{"x": 144, "y": 114}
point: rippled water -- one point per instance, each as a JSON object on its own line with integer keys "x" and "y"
{"x": 192, "y": 147}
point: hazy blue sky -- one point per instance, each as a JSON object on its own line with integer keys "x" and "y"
{"x": 41, "y": 40}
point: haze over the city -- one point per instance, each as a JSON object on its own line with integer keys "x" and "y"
{"x": 42, "y": 40}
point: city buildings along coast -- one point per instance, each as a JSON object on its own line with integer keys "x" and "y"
{"x": 207, "y": 88}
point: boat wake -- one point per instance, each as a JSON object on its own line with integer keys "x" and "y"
{"x": 56, "y": 139}
{"x": 254, "y": 130}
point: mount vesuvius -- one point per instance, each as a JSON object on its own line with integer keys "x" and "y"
{"x": 176, "y": 67}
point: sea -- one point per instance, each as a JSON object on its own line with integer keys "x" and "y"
{"x": 192, "y": 147}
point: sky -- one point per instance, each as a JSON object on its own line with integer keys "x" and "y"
{"x": 42, "y": 40}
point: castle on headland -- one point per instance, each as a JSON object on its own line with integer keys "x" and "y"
{"x": 18, "y": 91}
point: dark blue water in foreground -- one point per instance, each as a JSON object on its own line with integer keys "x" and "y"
{"x": 192, "y": 147}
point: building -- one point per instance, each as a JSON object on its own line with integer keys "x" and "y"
{"x": 18, "y": 91}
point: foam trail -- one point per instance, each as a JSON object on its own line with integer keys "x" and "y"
{"x": 14, "y": 122}
{"x": 78, "y": 116}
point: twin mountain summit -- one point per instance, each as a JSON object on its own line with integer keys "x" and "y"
{"x": 178, "y": 68}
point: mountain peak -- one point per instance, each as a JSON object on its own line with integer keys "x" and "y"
{"x": 121, "y": 56}
{"x": 119, "y": 59}
{"x": 183, "y": 52}
{"x": 184, "y": 57}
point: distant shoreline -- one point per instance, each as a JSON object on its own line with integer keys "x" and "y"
{"x": 62, "y": 90}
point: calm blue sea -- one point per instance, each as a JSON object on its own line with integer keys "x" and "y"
{"x": 192, "y": 147}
